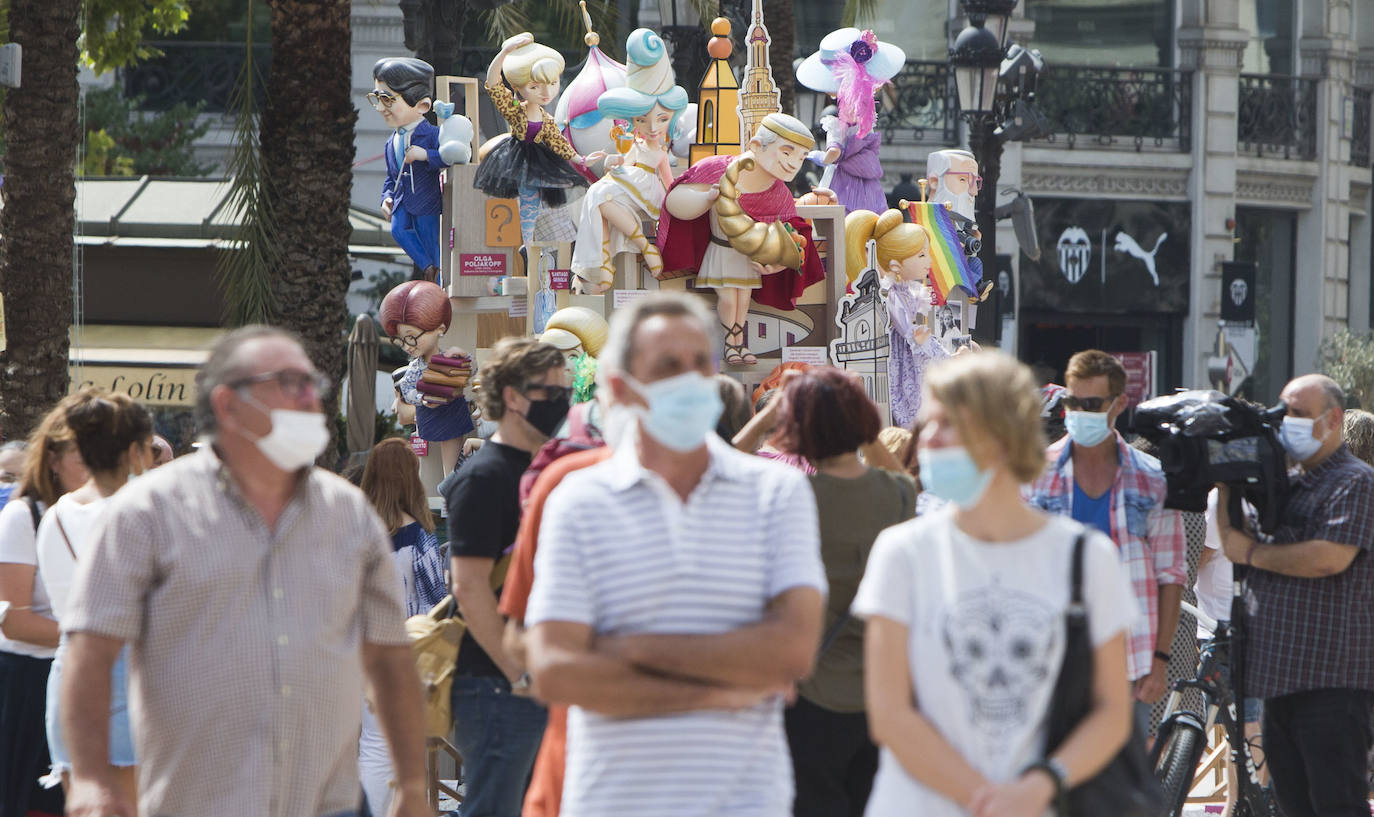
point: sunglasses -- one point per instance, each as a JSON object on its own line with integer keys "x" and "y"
{"x": 381, "y": 99}
{"x": 1092, "y": 404}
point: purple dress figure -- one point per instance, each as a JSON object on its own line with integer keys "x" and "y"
{"x": 855, "y": 176}
{"x": 852, "y": 65}
{"x": 911, "y": 347}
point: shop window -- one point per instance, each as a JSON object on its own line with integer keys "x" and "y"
{"x": 1269, "y": 239}
{"x": 1125, "y": 33}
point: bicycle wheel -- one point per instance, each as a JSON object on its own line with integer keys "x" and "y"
{"x": 1179, "y": 749}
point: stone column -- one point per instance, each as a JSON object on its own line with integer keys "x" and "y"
{"x": 1321, "y": 306}
{"x": 1210, "y": 44}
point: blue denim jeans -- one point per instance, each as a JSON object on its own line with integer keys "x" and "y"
{"x": 498, "y": 735}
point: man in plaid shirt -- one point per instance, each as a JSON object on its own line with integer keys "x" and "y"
{"x": 1309, "y": 597}
{"x": 1100, "y": 481}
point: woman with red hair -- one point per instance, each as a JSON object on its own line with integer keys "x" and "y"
{"x": 825, "y": 417}
{"x": 415, "y": 315}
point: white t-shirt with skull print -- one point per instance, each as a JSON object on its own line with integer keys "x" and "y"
{"x": 986, "y": 639}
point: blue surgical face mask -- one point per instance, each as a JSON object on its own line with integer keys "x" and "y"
{"x": 1298, "y": 439}
{"x": 1087, "y": 428}
{"x": 682, "y": 409}
{"x": 952, "y": 475}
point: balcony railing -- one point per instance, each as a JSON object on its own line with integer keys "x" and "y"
{"x": 1117, "y": 107}
{"x": 921, "y": 105}
{"x": 193, "y": 72}
{"x": 1359, "y": 140}
{"x": 1278, "y": 116}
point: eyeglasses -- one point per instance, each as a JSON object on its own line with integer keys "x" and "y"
{"x": 975, "y": 182}
{"x": 381, "y": 99}
{"x": 555, "y": 393}
{"x": 408, "y": 341}
{"x": 1093, "y": 404}
{"x": 292, "y": 382}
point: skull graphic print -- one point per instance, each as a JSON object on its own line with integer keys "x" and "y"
{"x": 1003, "y": 647}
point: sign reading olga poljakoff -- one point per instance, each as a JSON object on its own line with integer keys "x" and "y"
{"x": 1238, "y": 292}
{"x": 1108, "y": 256}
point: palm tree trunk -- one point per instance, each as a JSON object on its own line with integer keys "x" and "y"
{"x": 307, "y": 150}
{"x": 37, "y": 222}
{"x": 780, "y": 18}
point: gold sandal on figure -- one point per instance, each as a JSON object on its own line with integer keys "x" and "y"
{"x": 653, "y": 259}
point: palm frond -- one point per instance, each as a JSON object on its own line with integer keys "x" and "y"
{"x": 245, "y": 270}
{"x": 506, "y": 21}
{"x": 707, "y": 10}
{"x": 858, "y": 11}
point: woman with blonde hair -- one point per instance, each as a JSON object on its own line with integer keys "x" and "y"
{"x": 902, "y": 253}
{"x": 391, "y": 482}
{"x": 28, "y": 629}
{"x": 115, "y": 437}
{"x": 532, "y": 164}
{"x": 965, "y": 610}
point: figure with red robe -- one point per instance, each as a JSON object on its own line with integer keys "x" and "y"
{"x": 732, "y": 221}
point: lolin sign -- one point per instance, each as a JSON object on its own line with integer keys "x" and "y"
{"x": 154, "y": 385}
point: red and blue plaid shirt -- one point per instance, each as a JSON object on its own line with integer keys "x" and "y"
{"x": 1149, "y": 537}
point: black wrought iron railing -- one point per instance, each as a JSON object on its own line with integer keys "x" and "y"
{"x": 1278, "y": 116}
{"x": 921, "y": 105}
{"x": 1117, "y": 107}
{"x": 1359, "y": 138}
{"x": 193, "y": 72}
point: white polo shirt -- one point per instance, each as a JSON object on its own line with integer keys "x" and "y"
{"x": 620, "y": 552}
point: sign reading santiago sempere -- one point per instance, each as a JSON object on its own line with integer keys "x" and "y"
{"x": 1100, "y": 255}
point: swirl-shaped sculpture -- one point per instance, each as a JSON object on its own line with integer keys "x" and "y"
{"x": 762, "y": 242}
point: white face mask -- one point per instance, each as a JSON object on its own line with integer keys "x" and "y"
{"x": 1298, "y": 438}
{"x": 296, "y": 438}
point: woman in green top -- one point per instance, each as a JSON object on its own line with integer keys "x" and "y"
{"x": 826, "y": 417}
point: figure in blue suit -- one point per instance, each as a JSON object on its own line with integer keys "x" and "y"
{"x": 411, "y": 197}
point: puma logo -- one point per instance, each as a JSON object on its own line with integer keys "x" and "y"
{"x": 1126, "y": 244}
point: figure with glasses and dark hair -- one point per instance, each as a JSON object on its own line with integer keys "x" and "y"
{"x": 403, "y": 93}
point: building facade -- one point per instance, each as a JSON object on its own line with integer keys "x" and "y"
{"x": 1184, "y": 134}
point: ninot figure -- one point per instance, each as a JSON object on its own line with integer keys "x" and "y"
{"x": 402, "y": 93}
{"x": 902, "y": 252}
{"x": 415, "y": 315}
{"x": 636, "y": 181}
{"x": 532, "y": 164}
{"x": 732, "y": 220}
{"x": 851, "y": 66}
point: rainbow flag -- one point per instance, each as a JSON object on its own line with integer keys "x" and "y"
{"x": 949, "y": 266}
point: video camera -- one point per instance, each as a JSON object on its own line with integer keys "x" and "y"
{"x": 1205, "y": 438}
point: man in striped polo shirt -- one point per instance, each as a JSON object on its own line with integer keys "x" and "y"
{"x": 678, "y": 592}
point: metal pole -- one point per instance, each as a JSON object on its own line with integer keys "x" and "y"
{"x": 987, "y": 149}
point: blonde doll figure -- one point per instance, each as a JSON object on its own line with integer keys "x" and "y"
{"x": 532, "y": 165}
{"x": 635, "y": 183}
{"x": 903, "y": 254}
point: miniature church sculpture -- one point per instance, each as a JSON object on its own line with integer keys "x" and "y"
{"x": 759, "y": 95}
{"x": 718, "y": 131}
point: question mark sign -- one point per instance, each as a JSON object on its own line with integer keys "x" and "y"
{"x": 497, "y": 211}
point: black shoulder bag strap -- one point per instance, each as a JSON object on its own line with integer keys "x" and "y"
{"x": 33, "y": 511}
{"x": 1076, "y": 585}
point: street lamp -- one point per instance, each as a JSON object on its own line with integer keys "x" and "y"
{"x": 976, "y": 58}
{"x": 680, "y": 26}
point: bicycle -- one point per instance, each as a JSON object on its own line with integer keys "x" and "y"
{"x": 1182, "y": 736}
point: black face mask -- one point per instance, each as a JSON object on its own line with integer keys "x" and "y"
{"x": 547, "y": 415}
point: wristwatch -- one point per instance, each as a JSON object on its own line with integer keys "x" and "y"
{"x": 1057, "y": 772}
{"x": 521, "y": 684}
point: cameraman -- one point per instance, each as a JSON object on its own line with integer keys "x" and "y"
{"x": 1310, "y": 601}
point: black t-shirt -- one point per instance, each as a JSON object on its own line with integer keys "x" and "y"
{"x": 483, "y": 503}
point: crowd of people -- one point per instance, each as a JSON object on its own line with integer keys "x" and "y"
{"x": 678, "y": 598}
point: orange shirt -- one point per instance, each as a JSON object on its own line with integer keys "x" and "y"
{"x": 520, "y": 578}
{"x": 545, "y": 793}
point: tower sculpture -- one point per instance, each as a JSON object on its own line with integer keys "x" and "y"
{"x": 758, "y": 95}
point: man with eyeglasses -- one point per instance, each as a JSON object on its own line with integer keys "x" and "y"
{"x": 411, "y": 198}
{"x": 259, "y": 595}
{"x": 523, "y": 386}
{"x": 1099, "y": 480}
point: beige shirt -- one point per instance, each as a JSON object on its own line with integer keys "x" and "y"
{"x": 246, "y": 670}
